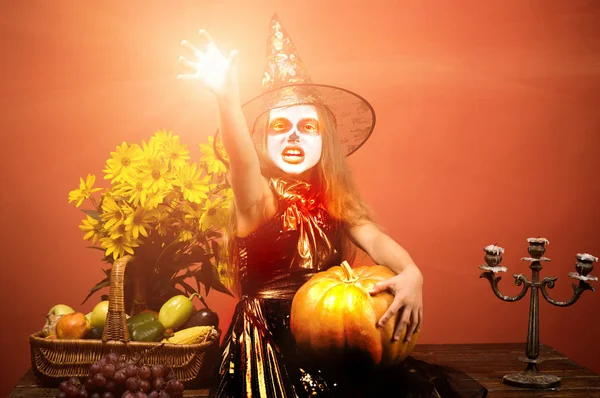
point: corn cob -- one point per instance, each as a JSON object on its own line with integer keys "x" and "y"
{"x": 193, "y": 335}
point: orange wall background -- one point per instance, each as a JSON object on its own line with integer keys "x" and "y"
{"x": 488, "y": 131}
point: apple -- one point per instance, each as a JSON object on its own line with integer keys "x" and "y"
{"x": 60, "y": 309}
{"x": 72, "y": 326}
{"x": 98, "y": 318}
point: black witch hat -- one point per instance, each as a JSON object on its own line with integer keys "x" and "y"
{"x": 286, "y": 82}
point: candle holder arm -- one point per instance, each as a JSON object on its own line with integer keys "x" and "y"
{"x": 520, "y": 279}
{"x": 548, "y": 283}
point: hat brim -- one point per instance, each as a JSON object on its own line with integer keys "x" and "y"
{"x": 354, "y": 115}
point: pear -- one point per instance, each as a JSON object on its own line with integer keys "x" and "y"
{"x": 72, "y": 326}
{"x": 98, "y": 317}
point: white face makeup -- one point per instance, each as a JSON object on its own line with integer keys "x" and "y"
{"x": 294, "y": 139}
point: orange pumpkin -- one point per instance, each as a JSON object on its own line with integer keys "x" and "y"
{"x": 333, "y": 317}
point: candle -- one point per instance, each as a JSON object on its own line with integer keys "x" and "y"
{"x": 584, "y": 264}
{"x": 536, "y": 247}
{"x": 538, "y": 240}
{"x": 586, "y": 257}
{"x": 493, "y": 249}
{"x": 493, "y": 257}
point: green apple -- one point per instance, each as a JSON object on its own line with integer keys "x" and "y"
{"x": 60, "y": 309}
{"x": 99, "y": 313}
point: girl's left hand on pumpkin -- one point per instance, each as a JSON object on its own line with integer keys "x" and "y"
{"x": 408, "y": 299}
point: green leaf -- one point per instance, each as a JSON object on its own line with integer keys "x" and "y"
{"x": 100, "y": 285}
{"x": 198, "y": 255}
{"x": 215, "y": 248}
{"x": 213, "y": 234}
{"x": 106, "y": 259}
{"x": 204, "y": 275}
{"x": 93, "y": 213}
{"x": 209, "y": 276}
{"x": 168, "y": 252}
{"x": 188, "y": 289}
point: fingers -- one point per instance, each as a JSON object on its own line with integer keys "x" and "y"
{"x": 187, "y": 64}
{"x": 394, "y": 307}
{"x": 404, "y": 319}
{"x": 207, "y": 41}
{"x": 191, "y": 48}
{"x": 209, "y": 51}
{"x": 205, "y": 37}
{"x": 187, "y": 77}
{"x": 190, "y": 66}
{"x": 379, "y": 287}
{"x": 233, "y": 57}
{"x": 414, "y": 321}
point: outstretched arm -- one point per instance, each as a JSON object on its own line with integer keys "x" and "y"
{"x": 406, "y": 286}
{"x": 219, "y": 75}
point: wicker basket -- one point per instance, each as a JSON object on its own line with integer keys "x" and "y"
{"x": 54, "y": 360}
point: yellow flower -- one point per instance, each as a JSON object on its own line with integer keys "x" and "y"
{"x": 227, "y": 195}
{"x": 214, "y": 214}
{"x": 186, "y": 235}
{"x": 123, "y": 162}
{"x": 153, "y": 199}
{"x": 212, "y": 163}
{"x": 111, "y": 214}
{"x": 155, "y": 190}
{"x": 118, "y": 247}
{"x": 117, "y": 231}
{"x": 175, "y": 153}
{"x": 151, "y": 149}
{"x": 135, "y": 194}
{"x": 155, "y": 176}
{"x": 92, "y": 229}
{"x": 162, "y": 137}
{"x": 193, "y": 188}
{"x": 85, "y": 190}
{"x": 138, "y": 221}
{"x": 163, "y": 222}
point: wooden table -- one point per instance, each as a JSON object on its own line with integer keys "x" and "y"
{"x": 486, "y": 363}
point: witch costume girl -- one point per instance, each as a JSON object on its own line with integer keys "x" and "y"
{"x": 295, "y": 210}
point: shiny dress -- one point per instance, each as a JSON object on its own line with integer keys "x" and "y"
{"x": 259, "y": 357}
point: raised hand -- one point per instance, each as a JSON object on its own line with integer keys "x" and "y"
{"x": 208, "y": 65}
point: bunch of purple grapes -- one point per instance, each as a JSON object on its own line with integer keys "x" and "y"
{"x": 113, "y": 376}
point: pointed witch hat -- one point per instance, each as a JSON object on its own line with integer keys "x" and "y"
{"x": 286, "y": 82}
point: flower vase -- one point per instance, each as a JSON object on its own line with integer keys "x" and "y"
{"x": 139, "y": 301}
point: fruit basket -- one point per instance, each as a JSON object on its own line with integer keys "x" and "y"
{"x": 54, "y": 360}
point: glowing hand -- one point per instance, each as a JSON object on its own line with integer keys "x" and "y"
{"x": 408, "y": 297}
{"x": 211, "y": 68}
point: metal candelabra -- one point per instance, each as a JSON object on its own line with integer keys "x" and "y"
{"x": 531, "y": 377}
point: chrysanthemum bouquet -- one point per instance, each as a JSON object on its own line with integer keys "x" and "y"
{"x": 166, "y": 211}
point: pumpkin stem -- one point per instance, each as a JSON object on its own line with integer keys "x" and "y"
{"x": 349, "y": 276}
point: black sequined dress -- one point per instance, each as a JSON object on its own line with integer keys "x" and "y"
{"x": 259, "y": 357}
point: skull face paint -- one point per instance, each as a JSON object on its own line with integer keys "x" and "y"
{"x": 294, "y": 141}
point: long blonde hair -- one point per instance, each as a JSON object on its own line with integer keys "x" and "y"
{"x": 331, "y": 176}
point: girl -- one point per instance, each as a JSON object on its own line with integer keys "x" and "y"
{"x": 295, "y": 210}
